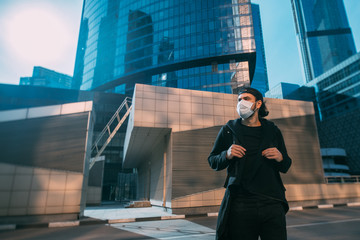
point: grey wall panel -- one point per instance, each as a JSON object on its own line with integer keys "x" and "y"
{"x": 303, "y": 147}
{"x": 56, "y": 142}
{"x": 157, "y": 172}
{"x": 144, "y": 174}
{"x": 191, "y": 170}
{"x": 96, "y": 174}
{"x": 192, "y": 173}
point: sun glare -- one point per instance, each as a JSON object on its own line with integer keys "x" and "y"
{"x": 37, "y": 35}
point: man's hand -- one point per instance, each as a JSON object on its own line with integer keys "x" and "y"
{"x": 272, "y": 153}
{"x": 235, "y": 151}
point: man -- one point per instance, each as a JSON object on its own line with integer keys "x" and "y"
{"x": 253, "y": 151}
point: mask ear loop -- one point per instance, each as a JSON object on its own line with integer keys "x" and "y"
{"x": 255, "y": 106}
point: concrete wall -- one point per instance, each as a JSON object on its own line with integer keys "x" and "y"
{"x": 312, "y": 194}
{"x": 194, "y": 119}
{"x": 157, "y": 172}
{"x": 95, "y": 181}
{"x": 34, "y": 191}
{"x": 191, "y": 171}
{"x": 153, "y": 168}
{"x": 44, "y": 165}
{"x": 296, "y": 194}
{"x": 93, "y": 195}
{"x": 143, "y": 181}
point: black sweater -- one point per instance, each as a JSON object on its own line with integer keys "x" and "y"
{"x": 266, "y": 178}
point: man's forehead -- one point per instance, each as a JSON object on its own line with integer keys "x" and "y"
{"x": 248, "y": 95}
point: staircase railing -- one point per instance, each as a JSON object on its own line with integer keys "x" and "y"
{"x": 110, "y": 133}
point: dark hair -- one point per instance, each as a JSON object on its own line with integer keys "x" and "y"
{"x": 263, "y": 112}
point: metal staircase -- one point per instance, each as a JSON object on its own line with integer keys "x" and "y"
{"x": 110, "y": 133}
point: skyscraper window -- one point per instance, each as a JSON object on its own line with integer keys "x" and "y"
{"x": 153, "y": 42}
{"x": 324, "y": 35}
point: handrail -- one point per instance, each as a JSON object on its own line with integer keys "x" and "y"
{"x": 126, "y": 103}
{"x": 126, "y": 100}
{"x": 342, "y": 179}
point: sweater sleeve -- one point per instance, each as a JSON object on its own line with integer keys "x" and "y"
{"x": 285, "y": 164}
{"x": 217, "y": 159}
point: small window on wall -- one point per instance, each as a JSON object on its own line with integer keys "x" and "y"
{"x": 214, "y": 67}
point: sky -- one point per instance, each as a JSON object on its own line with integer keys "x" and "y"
{"x": 37, "y": 33}
{"x": 45, "y": 33}
{"x": 282, "y": 54}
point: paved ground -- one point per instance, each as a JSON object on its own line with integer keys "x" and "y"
{"x": 340, "y": 223}
{"x": 112, "y": 212}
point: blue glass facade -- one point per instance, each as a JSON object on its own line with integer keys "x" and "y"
{"x": 282, "y": 90}
{"x": 338, "y": 90}
{"x": 47, "y": 78}
{"x": 203, "y": 44}
{"x": 260, "y": 80}
{"x": 324, "y": 34}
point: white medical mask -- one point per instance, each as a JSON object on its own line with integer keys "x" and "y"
{"x": 244, "y": 109}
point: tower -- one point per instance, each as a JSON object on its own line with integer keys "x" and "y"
{"x": 325, "y": 38}
{"x": 260, "y": 80}
{"x": 205, "y": 45}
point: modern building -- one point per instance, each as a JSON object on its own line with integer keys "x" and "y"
{"x": 45, "y": 167}
{"x": 331, "y": 68}
{"x": 342, "y": 131}
{"x": 205, "y": 45}
{"x": 334, "y": 162}
{"x": 80, "y": 53}
{"x": 338, "y": 89}
{"x": 47, "y": 78}
{"x": 325, "y": 38}
{"x": 295, "y": 92}
{"x": 176, "y": 129}
{"x": 281, "y": 90}
{"x": 336, "y": 98}
{"x": 260, "y": 80}
{"x": 104, "y": 179}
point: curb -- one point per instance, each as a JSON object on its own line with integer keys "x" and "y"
{"x": 323, "y": 206}
{"x": 146, "y": 219}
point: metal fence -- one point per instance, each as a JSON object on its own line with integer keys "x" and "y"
{"x": 342, "y": 179}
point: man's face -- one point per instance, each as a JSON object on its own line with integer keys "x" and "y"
{"x": 251, "y": 98}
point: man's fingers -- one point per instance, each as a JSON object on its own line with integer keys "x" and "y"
{"x": 241, "y": 150}
{"x": 239, "y": 155}
{"x": 238, "y": 147}
{"x": 238, "y": 152}
{"x": 270, "y": 151}
{"x": 235, "y": 151}
{"x": 270, "y": 156}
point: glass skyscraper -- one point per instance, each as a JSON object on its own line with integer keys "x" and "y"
{"x": 260, "y": 80}
{"x": 324, "y": 35}
{"x": 338, "y": 90}
{"x": 47, "y": 78}
{"x": 205, "y": 45}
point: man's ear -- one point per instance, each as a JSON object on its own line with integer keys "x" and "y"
{"x": 258, "y": 104}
